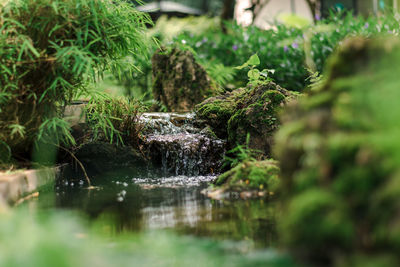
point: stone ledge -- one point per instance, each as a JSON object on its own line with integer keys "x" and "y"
{"x": 15, "y": 185}
{"x": 74, "y": 114}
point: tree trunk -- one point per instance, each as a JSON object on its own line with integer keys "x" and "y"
{"x": 228, "y": 10}
{"x": 205, "y": 6}
{"x": 256, "y": 7}
{"x": 312, "y": 4}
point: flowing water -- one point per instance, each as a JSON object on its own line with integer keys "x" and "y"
{"x": 179, "y": 145}
{"x": 170, "y": 198}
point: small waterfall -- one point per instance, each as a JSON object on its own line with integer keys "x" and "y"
{"x": 174, "y": 142}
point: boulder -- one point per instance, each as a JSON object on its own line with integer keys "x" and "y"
{"x": 179, "y": 82}
{"x": 250, "y": 110}
{"x": 98, "y": 157}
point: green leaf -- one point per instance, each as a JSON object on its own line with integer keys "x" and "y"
{"x": 253, "y": 74}
{"x": 242, "y": 66}
{"x": 33, "y": 49}
{"x": 17, "y": 129}
{"x": 254, "y": 60}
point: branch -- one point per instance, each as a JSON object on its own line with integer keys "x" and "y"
{"x": 80, "y": 164}
{"x": 39, "y": 60}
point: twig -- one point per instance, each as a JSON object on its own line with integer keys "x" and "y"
{"x": 33, "y": 61}
{"x": 80, "y": 164}
{"x": 21, "y": 200}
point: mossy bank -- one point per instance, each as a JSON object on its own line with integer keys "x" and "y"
{"x": 339, "y": 161}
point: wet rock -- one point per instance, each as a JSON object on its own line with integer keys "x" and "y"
{"x": 252, "y": 111}
{"x": 179, "y": 81}
{"x": 99, "y": 157}
{"x": 179, "y": 121}
{"x": 339, "y": 179}
{"x": 159, "y": 123}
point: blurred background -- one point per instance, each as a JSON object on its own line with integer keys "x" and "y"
{"x": 289, "y": 36}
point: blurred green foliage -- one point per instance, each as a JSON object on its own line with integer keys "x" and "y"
{"x": 139, "y": 84}
{"x": 291, "y": 51}
{"x": 288, "y": 50}
{"x": 339, "y": 156}
{"x": 63, "y": 240}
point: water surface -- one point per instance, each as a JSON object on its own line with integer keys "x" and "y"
{"x": 123, "y": 202}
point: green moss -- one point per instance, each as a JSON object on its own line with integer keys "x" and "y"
{"x": 217, "y": 109}
{"x": 317, "y": 217}
{"x": 275, "y": 96}
{"x": 217, "y": 113}
{"x": 251, "y": 175}
{"x": 224, "y": 177}
{"x": 252, "y": 110}
{"x": 365, "y": 260}
{"x": 237, "y": 127}
{"x": 179, "y": 81}
{"x": 338, "y": 152}
{"x": 209, "y": 132}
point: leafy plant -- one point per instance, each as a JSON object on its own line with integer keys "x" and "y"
{"x": 241, "y": 153}
{"x": 221, "y": 74}
{"x": 49, "y": 52}
{"x": 256, "y": 77}
{"x": 316, "y": 80}
{"x": 115, "y": 120}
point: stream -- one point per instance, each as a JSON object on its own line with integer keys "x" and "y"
{"x": 169, "y": 197}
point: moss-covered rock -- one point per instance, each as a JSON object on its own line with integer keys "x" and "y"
{"x": 320, "y": 221}
{"x": 216, "y": 111}
{"x": 262, "y": 175}
{"x": 251, "y": 110}
{"x": 338, "y": 158}
{"x": 179, "y": 82}
{"x": 249, "y": 178}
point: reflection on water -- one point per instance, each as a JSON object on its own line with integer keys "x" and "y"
{"x": 128, "y": 203}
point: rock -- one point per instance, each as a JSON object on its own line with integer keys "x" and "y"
{"x": 99, "y": 157}
{"x": 18, "y": 184}
{"x": 216, "y": 111}
{"x": 179, "y": 82}
{"x": 245, "y": 111}
{"x": 251, "y": 175}
{"x": 74, "y": 114}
